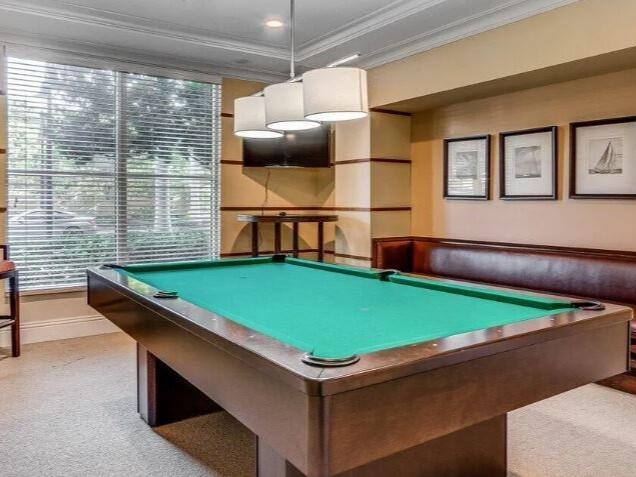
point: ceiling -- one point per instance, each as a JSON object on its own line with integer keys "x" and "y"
{"x": 228, "y": 37}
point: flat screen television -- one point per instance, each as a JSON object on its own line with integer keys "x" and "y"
{"x": 310, "y": 148}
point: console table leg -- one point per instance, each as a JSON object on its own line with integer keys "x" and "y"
{"x": 254, "y": 239}
{"x": 321, "y": 245}
{"x": 277, "y": 238}
{"x": 295, "y": 239}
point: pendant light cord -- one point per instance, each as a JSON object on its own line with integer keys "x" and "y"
{"x": 292, "y": 26}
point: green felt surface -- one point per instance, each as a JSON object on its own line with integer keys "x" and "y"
{"x": 334, "y": 311}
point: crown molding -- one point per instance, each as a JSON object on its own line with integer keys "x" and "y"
{"x": 502, "y": 15}
{"x": 149, "y": 27}
{"x": 58, "y": 49}
{"x": 153, "y": 24}
{"x": 390, "y": 13}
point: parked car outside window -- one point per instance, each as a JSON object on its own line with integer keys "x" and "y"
{"x": 51, "y": 221}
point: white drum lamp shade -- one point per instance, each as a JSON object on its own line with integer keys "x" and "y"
{"x": 284, "y": 108}
{"x": 249, "y": 118}
{"x": 335, "y": 94}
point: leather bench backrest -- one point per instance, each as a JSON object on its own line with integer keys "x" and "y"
{"x": 601, "y": 276}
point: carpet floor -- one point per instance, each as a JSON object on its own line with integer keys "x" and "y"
{"x": 68, "y": 408}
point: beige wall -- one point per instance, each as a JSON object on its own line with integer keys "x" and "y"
{"x": 581, "y": 30}
{"x": 570, "y": 222}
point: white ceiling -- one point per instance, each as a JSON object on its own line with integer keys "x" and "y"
{"x": 228, "y": 37}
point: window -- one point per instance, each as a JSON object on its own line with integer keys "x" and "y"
{"x": 106, "y": 166}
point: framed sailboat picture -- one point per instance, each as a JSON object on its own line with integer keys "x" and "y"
{"x": 467, "y": 168}
{"x": 528, "y": 164}
{"x": 603, "y": 159}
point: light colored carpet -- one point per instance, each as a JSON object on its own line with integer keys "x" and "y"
{"x": 587, "y": 432}
{"x": 68, "y": 409}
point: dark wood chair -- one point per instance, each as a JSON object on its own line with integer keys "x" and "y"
{"x": 9, "y": 272}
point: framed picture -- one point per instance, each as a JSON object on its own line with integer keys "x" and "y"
{"x": 467, "y": 168}
{"x": 528, "y": 164}
{"x": 603, "y": 159}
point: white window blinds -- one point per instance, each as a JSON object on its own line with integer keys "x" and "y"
{"x": 106, "y": 166}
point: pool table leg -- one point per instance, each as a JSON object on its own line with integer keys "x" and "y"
{"x": 321, "y": 242}
{"x": 295, "y": 239}
{"x": 476, "y": 451}
{"x": 270, "y": 464}
{"x": 163, "y": 396}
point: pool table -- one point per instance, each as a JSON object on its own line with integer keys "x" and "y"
{"x": 343, "y": 371}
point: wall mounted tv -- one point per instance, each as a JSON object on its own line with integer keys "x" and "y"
{"x": 310, "y": 148}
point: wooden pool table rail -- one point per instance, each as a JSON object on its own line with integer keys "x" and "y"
{"x": 285, "y": 362}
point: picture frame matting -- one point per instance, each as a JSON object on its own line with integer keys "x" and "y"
{"x": 603, "y": 153}
{"x": 535, "y": 163}
{"x": 474, "y": 170}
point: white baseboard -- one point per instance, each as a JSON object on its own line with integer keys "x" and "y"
{"x": 60, "y": 329}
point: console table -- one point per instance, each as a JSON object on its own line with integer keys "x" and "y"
{"x": 294, "y": 219}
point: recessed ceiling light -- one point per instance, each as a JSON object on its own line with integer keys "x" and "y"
{"x": 274, "y": 23}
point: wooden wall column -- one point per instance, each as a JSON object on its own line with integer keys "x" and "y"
{"x": 372, "y": 184}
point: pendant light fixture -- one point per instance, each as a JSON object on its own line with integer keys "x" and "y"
{"x": 335, "y": 94}
{"x": 249, "y": 118}
{"x": 284, "y": 109}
